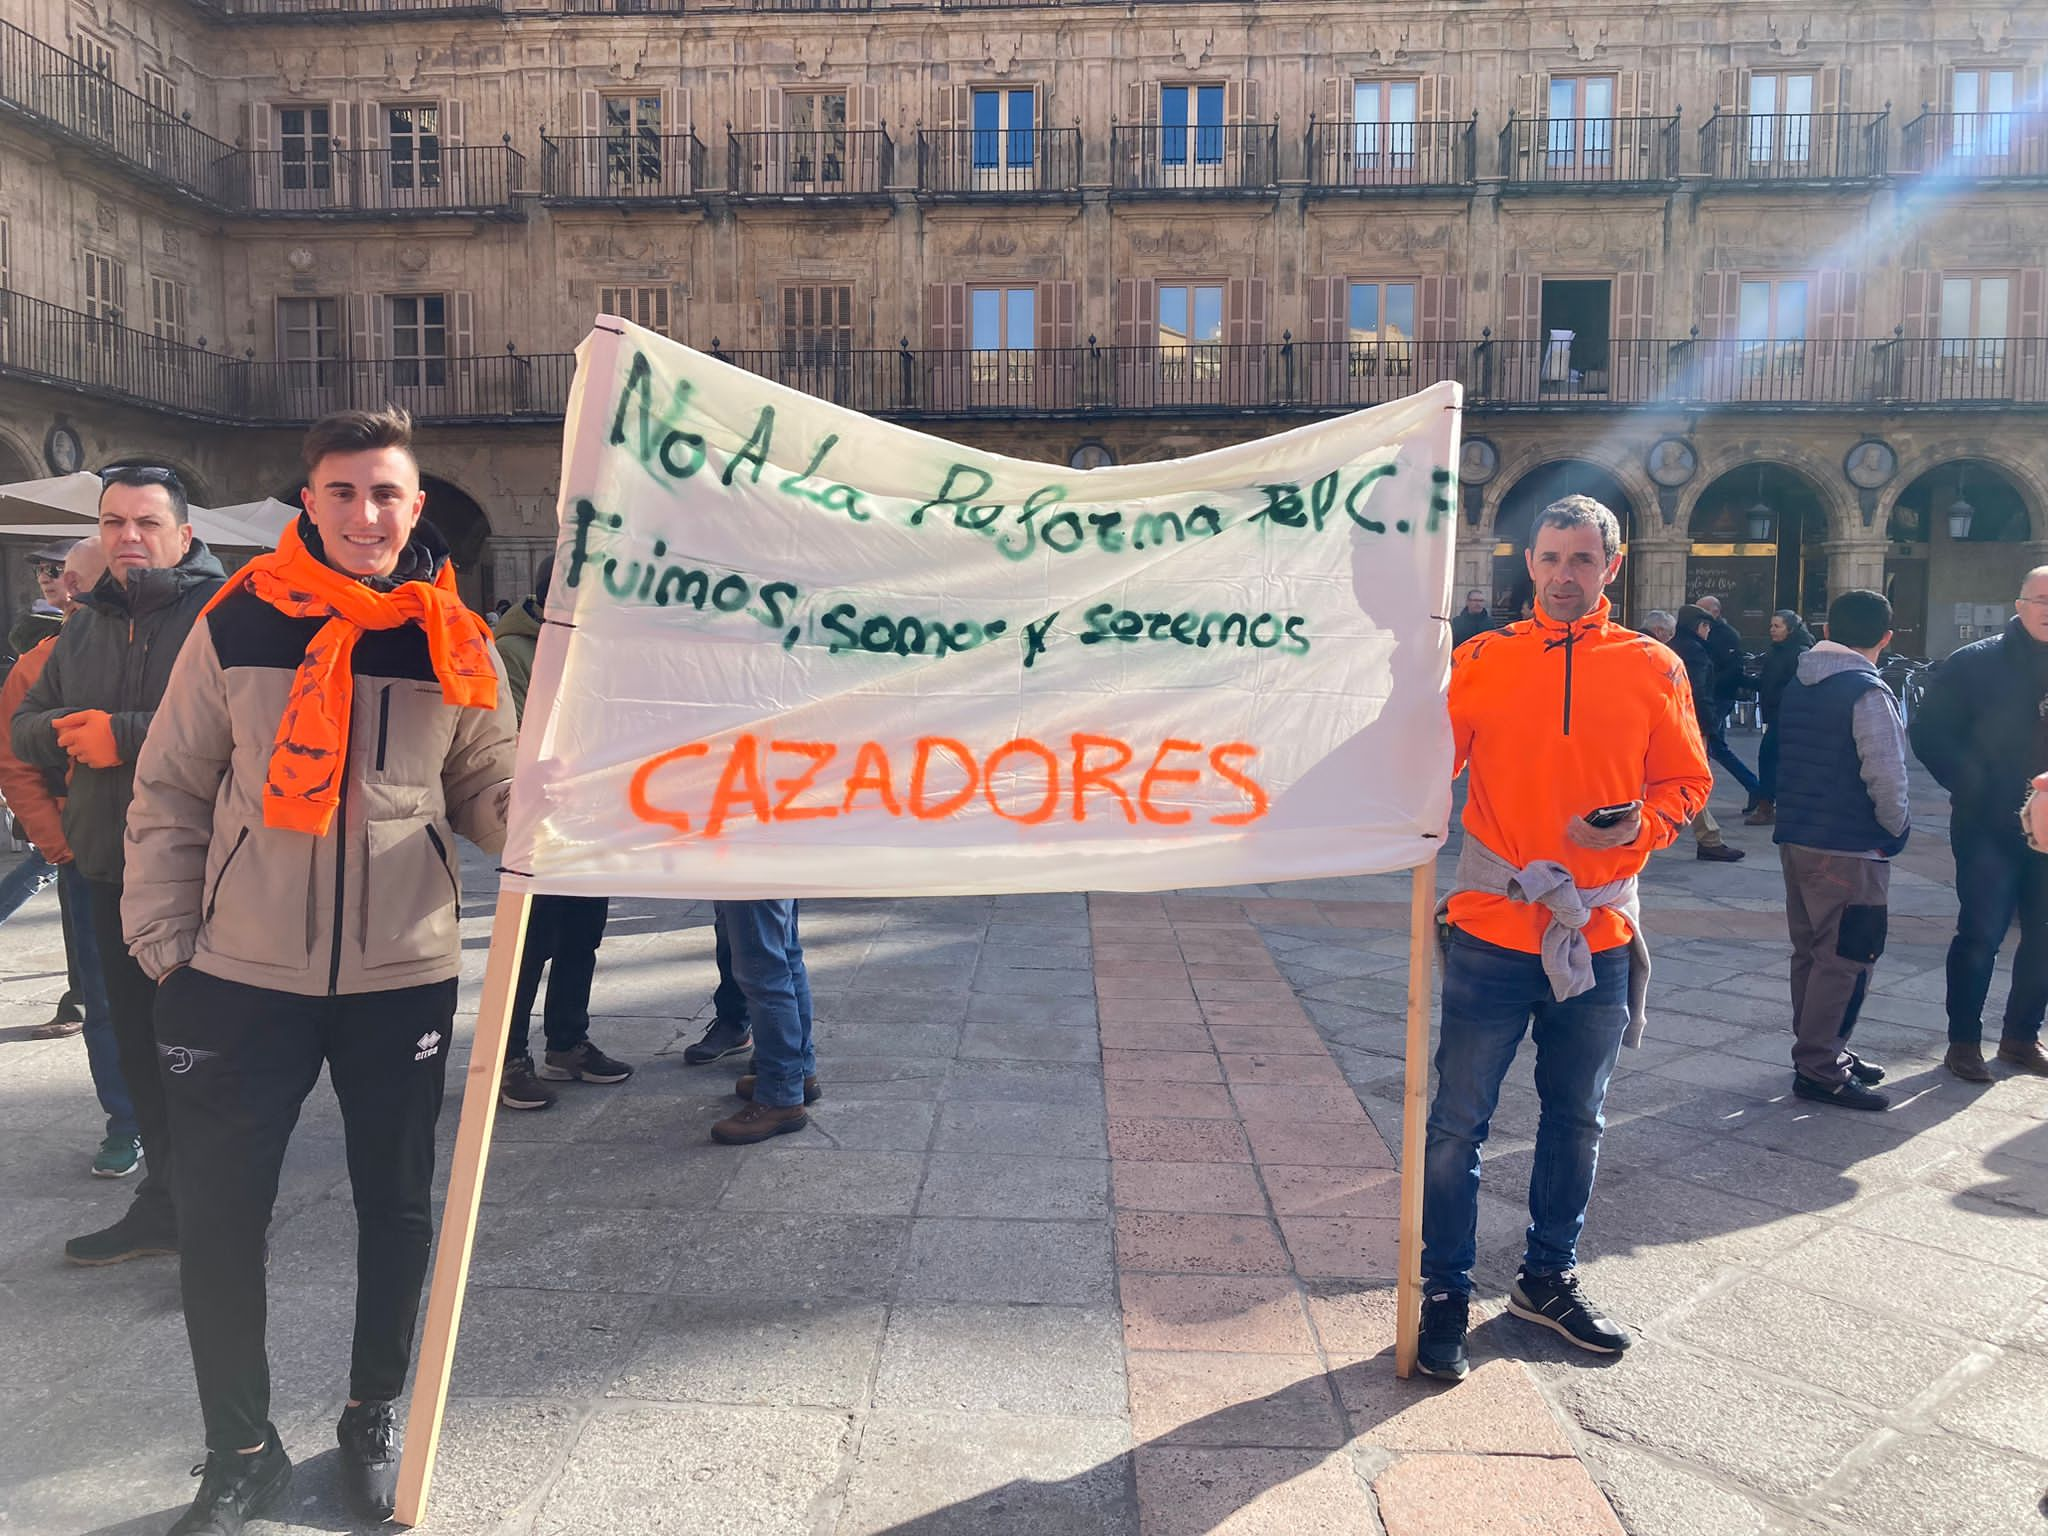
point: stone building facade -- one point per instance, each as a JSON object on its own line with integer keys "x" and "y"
{"x": 1769, "y": 281}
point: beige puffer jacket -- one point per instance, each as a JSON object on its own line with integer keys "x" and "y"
{"x": 370, "y": 906}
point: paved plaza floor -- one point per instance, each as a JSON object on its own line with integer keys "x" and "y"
{"x": 1093, "y": 1233}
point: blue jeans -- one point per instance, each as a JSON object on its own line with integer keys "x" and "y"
{"x": 33, "y": 874}
{"x": 1719, "y": 750}
{"x": 102, "y": 1054}
{"x": 768, "y": 966}
{"x": 1490, "y": 996}
{"x": 1998, "y": 879}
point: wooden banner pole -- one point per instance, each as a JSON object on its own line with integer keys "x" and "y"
{"x": 458, "y": 1216}
{"x": 1414, "y": 1116}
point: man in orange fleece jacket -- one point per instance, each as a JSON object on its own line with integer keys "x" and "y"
{"x": 1557, "y": 717}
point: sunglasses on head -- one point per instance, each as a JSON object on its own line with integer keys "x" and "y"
{"x": 140, "y": 474}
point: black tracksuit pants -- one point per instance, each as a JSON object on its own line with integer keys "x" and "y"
{"x": 131, "y": 1003}
{"x": 238, "y": 1062}
{"x": 562, "y": 933}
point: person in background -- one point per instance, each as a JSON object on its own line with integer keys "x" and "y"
{"x": 335, "y": 720}
{"x": 37, "y": 800}
{"x": 88, "y": 715}
{"x": 1582, "y": 753}
{"x": 1982, "y": 731}
{"x": 562, "y": 932}
{"x": 760, "y": 943}
{"x": 1685, "y": 633}
{"x": 1843, "y": 816}
{"x": 1724, "y": 646}
{"x": 1474, "y": 619}
{"x": 1790, "y": 639}
{"x": 45, "y": 616}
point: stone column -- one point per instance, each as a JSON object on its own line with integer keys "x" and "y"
{"x": 1656, "y": 571}
{"x": 1856, "y": 562}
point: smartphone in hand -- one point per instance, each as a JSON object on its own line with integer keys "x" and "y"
{"x": 1613, "y": 815}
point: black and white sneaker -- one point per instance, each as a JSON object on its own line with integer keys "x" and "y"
{"x": 1440, "y": 1352}
{"x": 1557, "y": 1303}
{"x": 724, "y": 1038}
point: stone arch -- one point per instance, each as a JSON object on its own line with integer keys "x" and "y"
{"x": 1518, "y": 463}
{"x": 1836, "y": 496}
{"x": 1757, "y": 535}
{"x": 19, "y": 458}
{"x": 2032, "y": 489}
{"x": 1542, "y": 478}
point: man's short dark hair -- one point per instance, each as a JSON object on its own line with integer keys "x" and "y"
{"x": 1691, "y": 617}
{"x": 1859, "y": 619}
{"x": 358, "y": 432}
{"x": 150, "y": 474}
{"x": 1580, "y": 512}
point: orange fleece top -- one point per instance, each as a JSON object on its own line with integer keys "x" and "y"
{"x": 1555, "y": 720}
{"x": 27, "y": 793}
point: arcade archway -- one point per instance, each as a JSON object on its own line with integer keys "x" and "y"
{"x": 1951, "y": 569}
{"x": 1759, "y": 537}
{"x": 1518, "y": 508}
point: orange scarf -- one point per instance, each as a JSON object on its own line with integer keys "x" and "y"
{"x": 303, "y": 785}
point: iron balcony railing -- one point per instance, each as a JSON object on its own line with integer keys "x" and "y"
{"x": 445, "y": 178}
{"x": 380, "y": 10}
{"x": 999, "y": 162}
{"x": 1207, "y": 157}
{"x": 810, "y": 163}
{"x": 1574, "y": 151}
{"x": 90, "y": 110}
{"x": 1359, "y": 156}
{"x": 1794, "y": 146}
{"x": 104, "y": 358}
{"x": 608, "y": 168}
{"x": 1986, "y": 146}
{"x": 622, "y": 7}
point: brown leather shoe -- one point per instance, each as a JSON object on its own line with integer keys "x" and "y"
{"x": 1763, "y": 814}
{"x": 1967, "y": 1062}
{"x": 744, "y": 1089}
{"x": 757, "y": 1122}
{"x": 2026, "y": 1055}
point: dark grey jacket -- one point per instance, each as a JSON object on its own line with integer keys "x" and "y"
{"x": 1982, "y": 729}
{"x": 114, "y": 655}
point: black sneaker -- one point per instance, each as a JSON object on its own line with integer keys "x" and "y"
{"x": 724, "y": 1038}
{"x": 368, "y": 1437}
{"x": 1440, "y": 1351}
{"x": 518, "y": 1088}
{"x": 583, "y": 1063}
{"x": 1849, "y": 1094}
{"x": 1719, "y": 853}
{"x": 1868, "y": 1073}
{"x": 235, "y": 1489}
{"x": 1557, "y": 1303}
{"x": 132, "y": 1237}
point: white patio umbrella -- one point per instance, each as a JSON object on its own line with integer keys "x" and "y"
{"x": 59, "y": 504}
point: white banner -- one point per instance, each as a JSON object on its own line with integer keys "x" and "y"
{"x": 795, "y": 651}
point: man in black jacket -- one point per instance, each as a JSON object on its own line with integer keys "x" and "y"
{"x": 1473, "y": 620}
{"x": 1982, "y": 731}
{"x": 1687, "y": 635}
{"x": 1724, "y": 646}
{"x": 87, "y": 715}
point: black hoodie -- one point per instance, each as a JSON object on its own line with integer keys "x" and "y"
{"x": 1982, "y": 729}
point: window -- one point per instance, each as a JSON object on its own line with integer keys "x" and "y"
{"x": 1190, "y": 331}
{"x": 1581, "y": 133}
{"x": 309, "y": 341}
{"x": 1379, "y": 325}
{"x": 1772, "y": 324}
{"x": 1002, "y": 330}
{"x": 167, "y": 310}
{"x": 1003, "y": 122}
{"x": 1780, "y": 119}
{"x": 817, "y": 322}
{"x": 419, "y": 339}
{"x": 414, "y": 136}
{"x": 632, "y": 139}
{"x": 106, "y": 288}
{"x": 817, "y": 135}
{"x": 1383, "y": 122}
{"x": 1183, "y": 106}
{"x": 160, "y": 91}
{"x": 1982, "y": 125}
{"x": 95, "y": 84}
{"x": 643, "y": 306}
{"x": 1975, "y": 320}
{"x": 305, "y": 149}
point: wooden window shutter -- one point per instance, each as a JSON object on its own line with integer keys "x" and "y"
{"x": 953, "y": 110}
{"x": 1720, "y": 303}
{"x": 866, "y": 107}
{"x": 1137, "y": 312}
{"x": 1143, "y": 100}
{"x": 1631, "y": 94}
{"x": 754, "y": 117}
{"x": 1255, "y": 312}
{"x": 945, "y": 317}
{"x": 1058, "y": 366}
{"x": 1522, "y": 306}
{"x": 454, "y": 122}
{"x": 1921, "y": 303}
{"x": 1235, "y": 310}
{"x": 2032, "y": 282}
{"x": 1830, "y": 89}
{"x": 1325, "y": 309}
{"x": 1335, "y": 101}
{"x": 1058, "y": 314}
{"x": 1249, "y": 103}
{"x": 365, "y": 333}
{"x": 337, "y": 123}
{"x": 373, "y": 119}
{"x": 1729, "y": 92}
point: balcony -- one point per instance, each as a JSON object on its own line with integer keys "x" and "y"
{"x": 810, "y": 164}
{"x": 1392, "y": 157}
{"x": 1798, "y": 147}
{"x": 643, "y": 168}
{"x": 497, "y": 387}
{"x": 92, "y": 113}
{"x": 1155, "y": 160}
{"x": 1578, "y": 152}
{"x": 1977, "y": 146}
{"x": 108, "y": 360}
{"x": 1000, "y": 164}
{"x": 352, "y": 10}
{"x": 446, "y": 179}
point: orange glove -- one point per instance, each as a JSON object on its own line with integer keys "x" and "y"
{"x": 88, "y": 735}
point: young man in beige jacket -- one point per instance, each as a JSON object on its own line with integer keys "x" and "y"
{"x": 292, "y": 884}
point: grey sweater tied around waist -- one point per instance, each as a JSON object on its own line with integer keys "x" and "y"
{"x": 1567, "y": 957}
